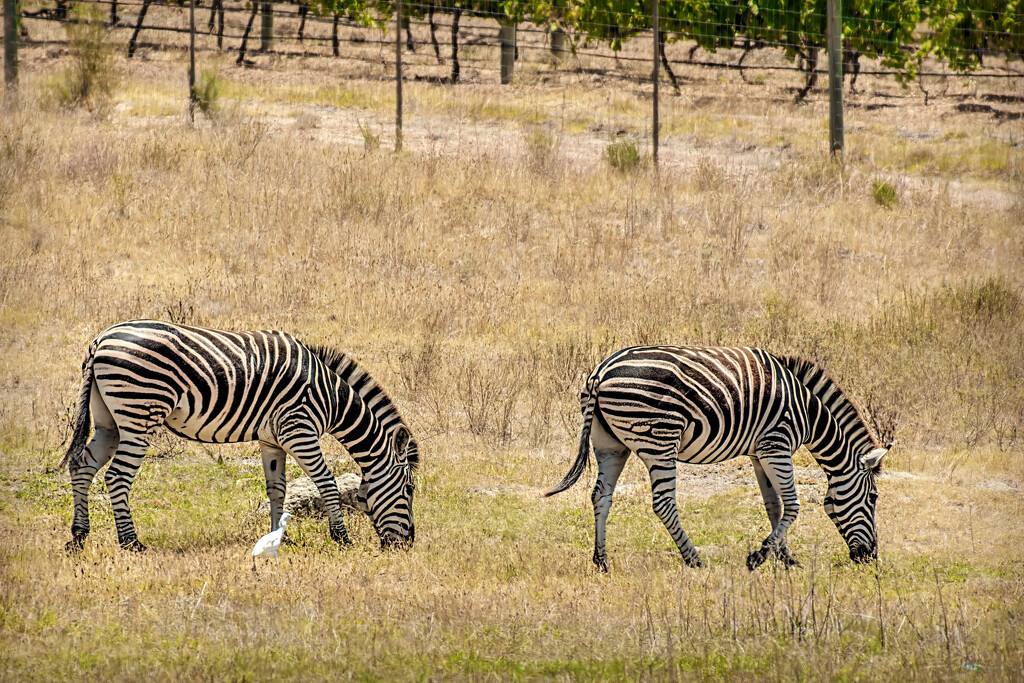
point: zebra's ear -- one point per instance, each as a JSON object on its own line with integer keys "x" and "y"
{"x": 401, "y": 441}
{"x": 873, "y": 459}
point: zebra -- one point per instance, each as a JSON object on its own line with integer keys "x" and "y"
{"x": 215, "y": 386}
{"x": 709, "y": 404}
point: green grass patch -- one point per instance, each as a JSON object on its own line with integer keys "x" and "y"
{"x": 884, "y": 194}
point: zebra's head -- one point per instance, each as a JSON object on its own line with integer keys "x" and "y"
{"x": 850, "y": 504}
{"x": 386, "y": 495}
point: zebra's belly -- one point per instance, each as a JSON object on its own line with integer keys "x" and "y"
{"x": 699, "y": 442}
{"x": 704, "y": 453}
{"x": 209, "y": 429}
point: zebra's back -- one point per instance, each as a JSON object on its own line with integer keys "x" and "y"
{"x": 717, "y": 401}
{"x": 216, "y": 386}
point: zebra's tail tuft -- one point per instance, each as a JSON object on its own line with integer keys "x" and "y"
{"x": 583, "y": 454}
{"x": 83, "y": 416}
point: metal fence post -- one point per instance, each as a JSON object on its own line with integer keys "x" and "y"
{"x": 192, "y": 61}
{"x": 398, "y": 75}
{"x": 834, "y": 21}
{"x": 11, "y": 46}
{"x": 657, "y": 60}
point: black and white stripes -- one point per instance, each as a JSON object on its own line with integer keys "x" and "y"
{"x": 708, "y": 404}
{"x": 225, "y": 387}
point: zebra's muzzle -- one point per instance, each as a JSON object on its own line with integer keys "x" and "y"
{"x": 862, "y": 553}
{"x": 391, "y": 540}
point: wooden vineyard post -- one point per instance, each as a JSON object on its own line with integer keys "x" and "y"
{"x": 657, "y": 54}
{"x": 834, "y": 23}
{"x": 398, "y": 75}
{"x": 192, "y": 61}
{"x": 267, "y": 27}
{"x": 11, "y": 47}
{"x": 558, "y": 40}
{"x": 507, "y": 38}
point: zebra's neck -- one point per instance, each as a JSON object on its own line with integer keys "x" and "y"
{"x": 371, "y": 393}
{"x": 837, "y": 434}
{"x": 357, "y": 428}
{"x": 826, "y": 440}
{"x": 345, "y": 367}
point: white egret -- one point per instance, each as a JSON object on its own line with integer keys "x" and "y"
{"x": 268, "y": 545}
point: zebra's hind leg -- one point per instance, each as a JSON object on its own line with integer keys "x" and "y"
{"x": 83, "y": 470}
{"x": 119, "y": 478}
{"x": 773, "y": 506}
{"x": 778, "y": 469}
{"x": 274, "y": 475}
{"x": 610, "y": 462}
{"x": 304, "y": 446}
{"x": 662, "y": 470}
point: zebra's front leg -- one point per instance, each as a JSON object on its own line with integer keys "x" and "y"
{"x": 274, "y": 475}
{"x": 305, "y": 448}
{"x": 119, "y": 478}
{"x": 777, "y": 469}
{"x": 773, "y": 506}
{"x": 662, "y": 470}
{"x": 83, "y": 470}
{"x": 609, "y": 467}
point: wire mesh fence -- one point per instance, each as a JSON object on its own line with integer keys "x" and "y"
{"x": 901, "y": 40}
{"x": 446, "y": 42}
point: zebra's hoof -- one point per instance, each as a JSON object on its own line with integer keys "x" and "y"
{"x": 133, "y": 545}
{"x": 756, "y": 559}
{"x": 343, "y": 540}
{"x": 788, "y": 561}
{"x": 601, "y": 562}
{"x": 75, "y": 545}
{"x": 695, "y": 563}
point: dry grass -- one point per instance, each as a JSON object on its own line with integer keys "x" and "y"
{"x": 479, "y": 275}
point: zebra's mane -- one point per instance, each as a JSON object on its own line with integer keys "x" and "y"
{"x": 851, "y": 419}
{"x": 366, "y": 387}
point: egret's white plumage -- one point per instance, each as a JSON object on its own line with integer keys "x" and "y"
{"x": 268, "y": 545}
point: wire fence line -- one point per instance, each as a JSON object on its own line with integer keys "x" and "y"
{"x": 576, "y": 43}
{"x": 794, "y": 31}
{"x": 572, "y": 41}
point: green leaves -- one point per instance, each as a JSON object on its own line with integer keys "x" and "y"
{"x": 960, "y": 32}
{"x": 896, "y": 33}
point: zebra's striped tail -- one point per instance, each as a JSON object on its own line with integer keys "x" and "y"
{"x": 583, "y": 455}
{"x": 83, "y": 416}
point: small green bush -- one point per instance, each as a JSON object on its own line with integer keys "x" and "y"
{"x": 371, "y": 140}
{"x": 623, "y": 155}
{"x": 90, "y": 80}
{"x": 884, "y": 194}
{"x": 982, "y": 301}
{"x": 207, "y": 92}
